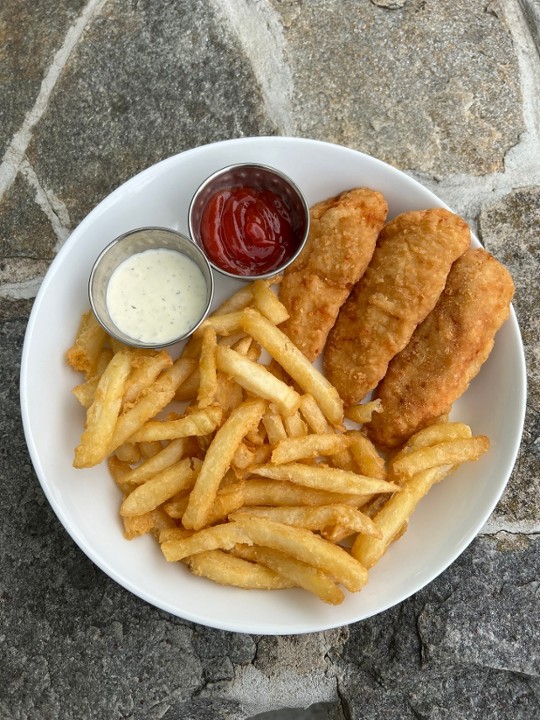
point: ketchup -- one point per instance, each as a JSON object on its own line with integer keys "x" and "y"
{"x": 247, "y": 231}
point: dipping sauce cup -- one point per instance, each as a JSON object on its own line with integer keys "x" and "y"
{"x": 151, "y": 287}
{"x": 250, "y": 220}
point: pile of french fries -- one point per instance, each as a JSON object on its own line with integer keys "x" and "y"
{"x": 238, "y": 456}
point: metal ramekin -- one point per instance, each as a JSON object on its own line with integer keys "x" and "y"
{"x": 131, "y": 243}
{"x": 257, "y": 176}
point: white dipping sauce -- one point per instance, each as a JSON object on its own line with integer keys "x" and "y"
{"x": 156, "y": 296}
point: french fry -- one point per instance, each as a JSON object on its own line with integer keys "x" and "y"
{"x": 128, "y": 452}
{"x": 317, "y": 518}
{"x": 159, "y": 489}
{"x": 362, "y": 413}
{"x": 299, "y": 573}
{"x": 274, "y": 492}
{"x": 327, "y": 478}
{"x": 294, "y": 425}
{"x": 149, "y": 449}
{"x": 313, "y": 415}
{"x": 434, "y": 434}
{"x": 102, "y": 415}
{"x": 305, "y": 546}
{"x": 256, "y": 379}
{"x": 367, "y": 459}
{"x": 267, "y": 303}
{"x": 207, "y": 369}
{"x": 450, "y": 452}
{"x": 278, "y": 345}
{"x": 158, "y": 396}
{"x": 394, "y": 514}
{"x": 222, "y": 324}
{"x": 146, "y": 368}
{"x": 309, "y": 446}
{"x": 170, "y": 454}
{"x": 84, "y": 353}
{"x": 199, "y": 422}
{"x": 85, "y": 392}
{"x": 188, "y": 390}
{"x": 227, "y": 569}
{"x": 217, "y": 537}
{"x": 275, "y": 429}
{"x": 218, "y": 460}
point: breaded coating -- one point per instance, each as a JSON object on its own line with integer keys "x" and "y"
{"x": 401, "y": 285}
{"x": 342, "y": 236}
{"x": 446, "y": 351}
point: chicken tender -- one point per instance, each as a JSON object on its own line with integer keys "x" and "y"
{"x": 401, "y": 285}
{"x": 446, "y": 351}
{"x": 342, "y": 237}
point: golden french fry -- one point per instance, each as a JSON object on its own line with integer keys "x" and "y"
{"x": 170, "y": 454}
{"x": 137, "y": 526}
{"x": 199, "y": 422}
{"x": 85, "y": 392}
{"x": 227, "y": 569}
{"x": 146, "y": 368}
{"x": 229, "y": 394}
{"x": 207, "y": 369}
{"x": 84, "y": 353}
{"x": 257, "y": 379}
{"x": 362, "y": 413}
{"x": 274, "y": 492}
{"x": 395, "y": 513}
{"x": 305, "y": 546}
{"x": 317, "y": 517}
{"x": 278, "y": 345}
{"x": 294, "y": 425}
{"x": 128, "y": 452}
{"x": 450, "y": 452}
{"x": 173, "y": 533}
{"x": 297, "y": 572}
{"x": 434, "y": 434}
{"x": 327, "y": 478}
{"x": 218, "y": 460}
{"x": 157, "y": 397}
{"x": 149, "y": 449}
{"x": 267, "y": 303}
{"x": 188, "y": 390}
{"x": 222, "y": 324}
{"x": 309, "y": 446}
{"x": 313, "y": 415}
{"x": 159, "y": 489}
{"x": 102, "y": 415}
{"x": 275, "y": 429}
{"x": 367, "y": 459}
{"x": 118, "y": 470}
{"x": 217, "y": 537}
{"x": 243, "y": 457}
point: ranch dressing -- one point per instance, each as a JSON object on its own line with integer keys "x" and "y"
{"x": 156, "y": 296}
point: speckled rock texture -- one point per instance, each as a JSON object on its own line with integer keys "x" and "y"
{"x": 93, "y": 91}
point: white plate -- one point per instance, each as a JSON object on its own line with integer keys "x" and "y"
{"x": 87, "y": 501}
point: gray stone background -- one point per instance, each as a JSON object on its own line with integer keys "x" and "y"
{"x": 92, "y": 91}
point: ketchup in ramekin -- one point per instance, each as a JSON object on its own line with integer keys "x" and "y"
{"x": 247, "y": 231}
{"x": 250, "y": 220}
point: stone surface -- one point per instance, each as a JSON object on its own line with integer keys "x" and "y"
{"x": 93, "y": 92}
{"x": 509, "y": 229}
{"x": 358, "y": 82}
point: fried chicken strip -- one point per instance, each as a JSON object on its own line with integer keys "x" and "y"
{"x": 446, "y": 351}
{"x": 400, "y": 287}
{"x": 343, "y": 232}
